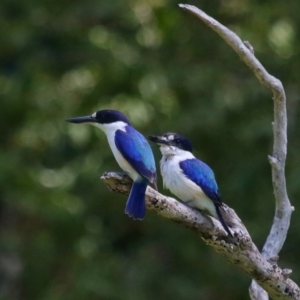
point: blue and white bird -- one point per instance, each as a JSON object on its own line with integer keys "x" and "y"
{"x": 131, "y": 151}
{"x": 187, "y": 177}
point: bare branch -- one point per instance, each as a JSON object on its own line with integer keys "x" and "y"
{"x": 239, "y": 250}
{"x": 283, "y": 210}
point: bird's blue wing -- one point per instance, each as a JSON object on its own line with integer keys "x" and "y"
{"x": 201, "y": 174}
{"x": 136, "y": 150}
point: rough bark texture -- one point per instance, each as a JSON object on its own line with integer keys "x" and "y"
{"x": 239, "y": 250}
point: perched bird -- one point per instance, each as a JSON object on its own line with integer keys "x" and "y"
{"x": 187, "y": 177}
{"x": 131, "y": 151}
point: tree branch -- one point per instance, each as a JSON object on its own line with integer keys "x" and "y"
{"x": 239, "y": 250}
{"x": 283, "y": 209}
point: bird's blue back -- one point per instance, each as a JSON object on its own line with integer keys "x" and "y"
{"x": 137, "y": 151}
{"x": 201, "y": 174}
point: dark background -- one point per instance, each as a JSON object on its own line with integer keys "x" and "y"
{"x": 64, "y": 235}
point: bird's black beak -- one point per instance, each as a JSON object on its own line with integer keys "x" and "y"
{"x": 158, "y": 140}
{"x": 85, "y": 119}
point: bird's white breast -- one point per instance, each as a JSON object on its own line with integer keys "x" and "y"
{"x": 110, "y": 131}
{"x": 181, "y": 186}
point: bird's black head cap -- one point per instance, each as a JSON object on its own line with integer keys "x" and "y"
{"x": 108, "y": 116}
{"x": 179, "y": 141}
{"x": 172, "y": 139}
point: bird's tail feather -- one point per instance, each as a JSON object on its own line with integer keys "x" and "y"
{"x": 135, "y": 206}
{"x": 222, "y": 220}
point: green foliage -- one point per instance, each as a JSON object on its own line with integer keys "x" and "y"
{"x": 167, "y": 72}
